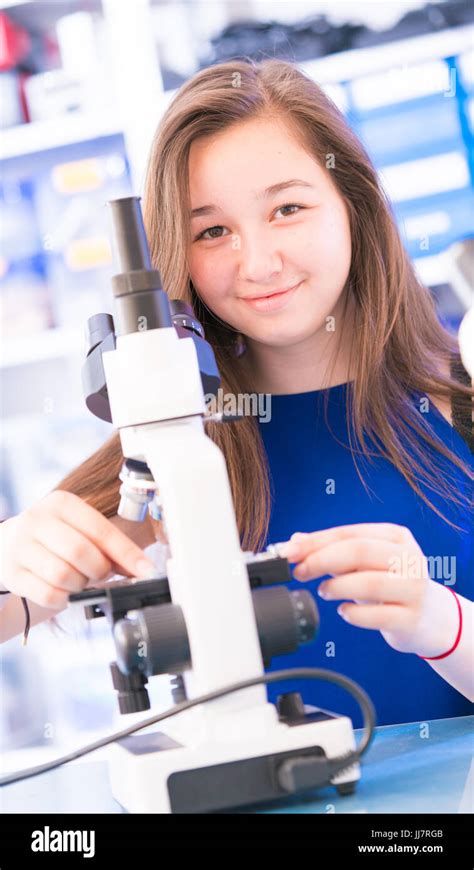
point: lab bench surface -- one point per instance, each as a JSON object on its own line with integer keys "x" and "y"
{"x": 420, "y": 767}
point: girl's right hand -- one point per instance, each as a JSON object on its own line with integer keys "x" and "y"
{"x": 61, "y": 545}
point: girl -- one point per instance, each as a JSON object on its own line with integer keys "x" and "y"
{"x": 264, "y": 212}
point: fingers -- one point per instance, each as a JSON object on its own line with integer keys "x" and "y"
{"x": 123, "y": 553}
{"x": 51, "y": 569}
{"x": 348, "y": 555}
{"x": 35, "y": 589}
{"x": 86, "y": 560}
{"x": 383, "y": 617}
{"x": 370, "y": 586}
{"x": 377, "y": 565}
{"x": 301, "y": 543}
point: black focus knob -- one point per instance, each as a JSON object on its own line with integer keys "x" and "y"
{"x": 132, "y": 695}
{"x": 284, "y": 619}
{"x": 306, "y": 615}
{"x": 153, "y": 640}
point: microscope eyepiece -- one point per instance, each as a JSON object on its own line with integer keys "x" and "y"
{"x": 130, "y": 236}
{"x": 138, "y": 291}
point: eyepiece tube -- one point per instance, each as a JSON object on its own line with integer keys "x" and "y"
{"x": 129, "y": 232}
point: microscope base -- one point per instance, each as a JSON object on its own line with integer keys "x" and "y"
{"x": 152, "y": 773}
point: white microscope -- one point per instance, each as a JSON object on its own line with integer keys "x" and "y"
{"x": 220, "y": 614}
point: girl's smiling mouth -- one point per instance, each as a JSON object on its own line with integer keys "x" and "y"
{"x": 273, "y": 302}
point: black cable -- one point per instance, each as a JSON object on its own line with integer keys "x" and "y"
{"x": 337, "y": 764}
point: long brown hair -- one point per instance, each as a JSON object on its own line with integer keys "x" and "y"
{"x": 402, "y": 348}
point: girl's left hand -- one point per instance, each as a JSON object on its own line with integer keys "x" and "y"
{"x": 381, "y": 568}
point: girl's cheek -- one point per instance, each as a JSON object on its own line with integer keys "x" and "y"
{"x": 211, "y": 268}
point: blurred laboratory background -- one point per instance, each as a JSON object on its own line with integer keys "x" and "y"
{"x": 83, "y": 84}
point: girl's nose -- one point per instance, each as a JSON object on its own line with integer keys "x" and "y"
{"x": 259, "y": 262}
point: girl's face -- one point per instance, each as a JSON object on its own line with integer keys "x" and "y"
{"x": 249, "y": 240}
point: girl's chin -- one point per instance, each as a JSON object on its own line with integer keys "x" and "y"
{"x": 281, "y": 337}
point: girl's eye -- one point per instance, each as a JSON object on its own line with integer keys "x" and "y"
{"x": 209, "y": 230}
{"x": 290, "y": 205}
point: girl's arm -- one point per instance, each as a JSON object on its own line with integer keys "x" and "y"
{"x": 12, "y": 614}
{"x": 458, "y": 667}
{"x": 414, "y": 613}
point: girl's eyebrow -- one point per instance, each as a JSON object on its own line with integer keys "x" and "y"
{"x": 269, "y": 191}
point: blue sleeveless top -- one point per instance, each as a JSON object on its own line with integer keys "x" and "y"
{"x": 301, "y": 444}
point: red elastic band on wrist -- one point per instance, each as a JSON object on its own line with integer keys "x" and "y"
{"x": 458, "y": 636}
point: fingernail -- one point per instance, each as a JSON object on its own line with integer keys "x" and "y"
{"x": 300, "y": 572}
{"x": 323, "y": 591}
{"x": 299, "y": 536}
{"x": 145, "y": 569}
{"x": 288, "y": 550}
